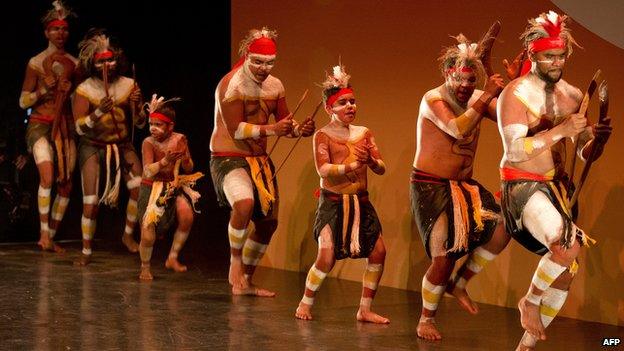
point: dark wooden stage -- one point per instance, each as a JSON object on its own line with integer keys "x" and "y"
{"x": 48, "y": 304}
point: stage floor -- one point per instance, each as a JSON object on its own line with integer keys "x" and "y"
{"x": 48, "y": 304}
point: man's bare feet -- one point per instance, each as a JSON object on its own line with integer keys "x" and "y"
{"x": 527, "y": 342}
{"x": 530, "y": 319}
{"x": 173, "y": 263}
{"x": 371, "y": 317}
{"x": 252, "y": 290}
{"x": 462, "y": 298}
{"x": 304, "y": 311}
{"x": 236, "y": 276}
{"x": 132, "y": 245}
{"x": 44, "y": 242}
{"x": 51, "y": 247}
{"x": 427, "y": 330}
{"x": 83, "y": 260}
{"x": 145, "y": 274}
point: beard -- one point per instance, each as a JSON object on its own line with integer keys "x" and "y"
{"x": 551, "y": 76}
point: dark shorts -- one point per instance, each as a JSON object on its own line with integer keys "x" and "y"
{"x": 516, "y": 194}
{"x": 330, "y": 212}
{"x": 220, "y": 166}
{"x": 431, "y": 196}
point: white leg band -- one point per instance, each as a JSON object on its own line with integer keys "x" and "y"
{"x": 90, "y": 200}
{"x": 87, "y": 252}
{"x": 237, "y": 185}
{"x": 307, "y": 300}
{"x": 236, "y": 236}
{"x": 541, "y": 219}
{"x": 42, "y": 151}
{"x": 366, "y": 301}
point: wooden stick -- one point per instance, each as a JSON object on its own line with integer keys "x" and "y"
{"x": 292, "y": 115}
{"x": 318, "y": 106}
{"x": 603, "y": 94}
{"x": 583, "y": 110}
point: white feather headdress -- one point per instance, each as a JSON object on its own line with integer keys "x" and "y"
{"x": 157, "y": 102}
{"x": 58, "y": 12}
{"x": 337, "y": 79}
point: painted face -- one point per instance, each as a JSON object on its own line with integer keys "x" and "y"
{"x": 260, "y": 66}
{"x": 461, "y": 85}
{"x": 57, "y": 35}
{"x": 548, "y": 64}
{"x": 112, "y": 66}
{"x": 159, "y": 129}
{"x": 343, "y": 110}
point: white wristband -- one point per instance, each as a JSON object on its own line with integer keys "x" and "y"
{"x": 89, "y": 122}
{"x": 98, "y": 113}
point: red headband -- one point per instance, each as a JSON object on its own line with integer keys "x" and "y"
{"x": 546, "y": 44}
{"x": 335, "y": 96}
{"x": 464, "y": 69}
{"x": 57, "y": 23}
{"x": 160, "y": 116}
{"x": 103, "y": 55}
{"x": 263, "y": 46}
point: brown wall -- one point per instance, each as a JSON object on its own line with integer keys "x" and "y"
{"x": 390, "y": 49}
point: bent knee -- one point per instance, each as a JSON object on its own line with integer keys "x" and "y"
{"x": 243, "y": 207}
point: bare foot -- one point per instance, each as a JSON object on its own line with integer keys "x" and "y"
{"x": 427, "y": 330}
{"x": 530, "y": 319}
{"x": 236, "y": 276}
{"x": 252, "y": 290}
{"x": 173, "y": 263}
{"x": 304, "y": 311}
{"x": 83, "y": 260}
{"x": 462, "y": 298}
{"x": 371, "y": 317}
{"x": 45, "y": 243}
{"x": 132, "y": 245}
{"x": 521, "y": 347}
{"x": 51, "y": 247}
{"x": 146, "y": 274}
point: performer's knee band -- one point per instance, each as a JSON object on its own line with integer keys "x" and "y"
{"x": 253, "y": 252}
{"x": 179, "y": 238}
{"x": 131, "y": 210}
{"x": 372, "y": 275}
{"x": 134, "y": 182}
{"x": 43, "y": 200}
{"x": 59, "y": 207}
{"x": 431, "y": 294}
{"x": 88, "y": 228}
{"x": 42, "y": 151}
{"x": 90, "y": 200}
{"x": 545, "y": 274}
{"x": 236, "y": 236}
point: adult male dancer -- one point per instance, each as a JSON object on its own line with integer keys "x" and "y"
{"x": 103, "y": 109}
{"x": 537, "y": 112}
{"x": 47, "y": 85}
{"x": 242, "y": 173}
{"x": 454, "y": 213}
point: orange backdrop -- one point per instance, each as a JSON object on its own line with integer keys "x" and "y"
{"x": 390, "y": 49}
